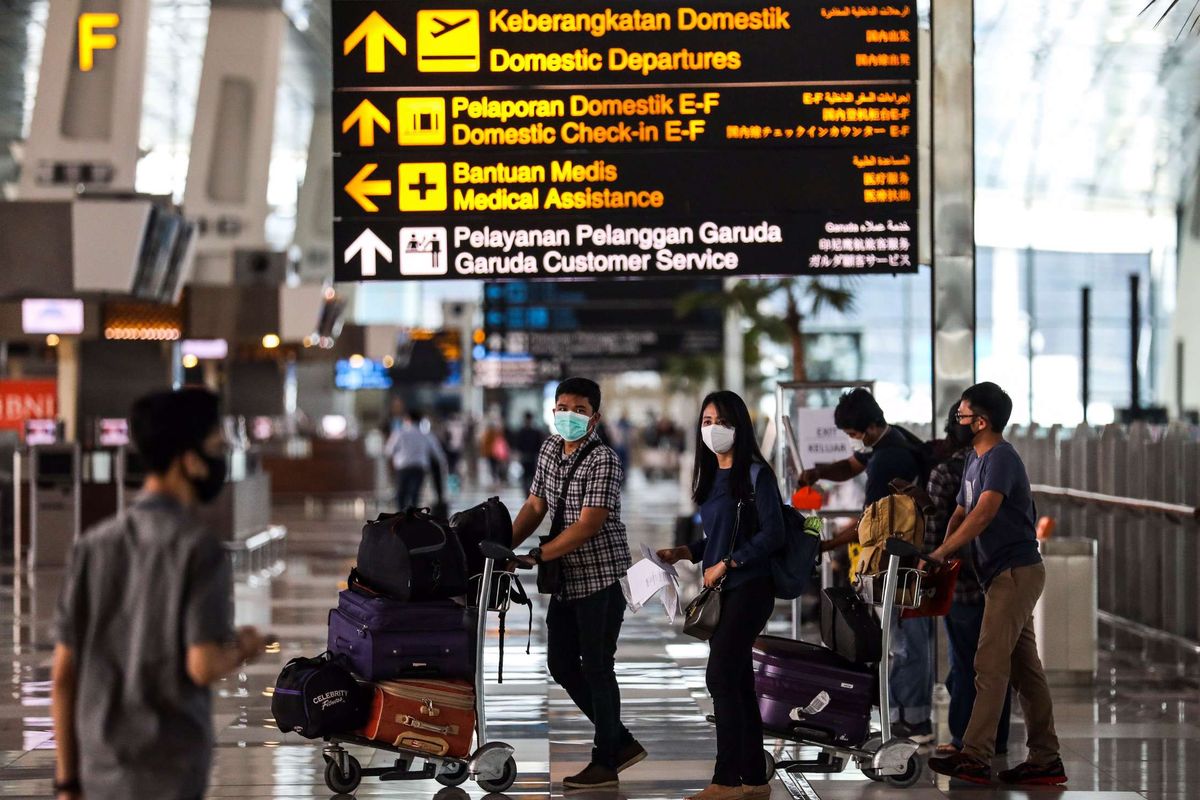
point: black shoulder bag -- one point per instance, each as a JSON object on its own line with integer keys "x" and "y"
{"x": 550, "y": 573}
{"x": 702, "y": 614}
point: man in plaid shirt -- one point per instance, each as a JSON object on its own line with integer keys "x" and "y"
{"x": 965, "y": 620}
{"x": 585, "y": 615}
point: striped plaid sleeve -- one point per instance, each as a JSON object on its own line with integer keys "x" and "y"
{"x": 603, "y": 482}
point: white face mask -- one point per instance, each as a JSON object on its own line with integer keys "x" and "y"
{"x": 717, "y": 438}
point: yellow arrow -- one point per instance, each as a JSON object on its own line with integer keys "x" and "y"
{"x": 362, "y": 190}
{"x": 375, "y": 30}
{"x": 366, "y": 117}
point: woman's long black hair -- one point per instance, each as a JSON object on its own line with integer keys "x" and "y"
{"x": 732, "y": 408}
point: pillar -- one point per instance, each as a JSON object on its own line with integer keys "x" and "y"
{"x": 953, "y": 207}
{"x": 88, "y": 110}
{"x": 226, "y": 191}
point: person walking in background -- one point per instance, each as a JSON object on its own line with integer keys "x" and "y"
{"x": 890, "y": 453}
{"x": 408, "y": 448}
{"x": 435, "y": 464}
{"x": 965, "y": 619}
{"x": 144, "y": 624}
{"x": 995, "y": 515}
{"x": 493, "y": 445}
{"x": 742, "y": 515}
{"x": 527, "y": 443}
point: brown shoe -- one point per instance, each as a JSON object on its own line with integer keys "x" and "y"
{"x": 714, "y": 791}
{"x": 756, "y": 792}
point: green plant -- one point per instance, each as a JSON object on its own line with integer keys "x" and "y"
{"x": 802, "y": 298}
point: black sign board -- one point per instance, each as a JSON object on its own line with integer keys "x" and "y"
{"x": 763, "y": 138}
{"x": 594, "y": 327}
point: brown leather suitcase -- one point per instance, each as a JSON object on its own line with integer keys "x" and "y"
{"x": 434, "y": 717}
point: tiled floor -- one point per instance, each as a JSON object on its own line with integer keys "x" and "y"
{"x": 1136, "y": 733}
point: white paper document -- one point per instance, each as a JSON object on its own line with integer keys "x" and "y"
{"x": 650, "y": 577}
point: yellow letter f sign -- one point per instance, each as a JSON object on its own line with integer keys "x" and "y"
{"x": 90, "y": 41}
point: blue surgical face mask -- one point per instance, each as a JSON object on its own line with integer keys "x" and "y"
{"x": 571, "y": 426}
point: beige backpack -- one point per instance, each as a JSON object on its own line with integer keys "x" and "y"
{"x": 900, "y": 515}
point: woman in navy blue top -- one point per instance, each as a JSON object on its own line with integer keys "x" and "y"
{"x": 742, "y": 514}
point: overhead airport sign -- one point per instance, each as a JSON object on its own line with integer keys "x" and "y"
{"x": 739, "y": 138}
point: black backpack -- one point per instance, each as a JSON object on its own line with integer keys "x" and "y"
{"x": 412, "y": 556}
{"x": 318, "y": 697}
{"x": 922, "y": 452}
{"x": 489, "y": 521}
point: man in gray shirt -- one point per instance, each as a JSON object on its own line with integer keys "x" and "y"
{"x": 145, "y": 621}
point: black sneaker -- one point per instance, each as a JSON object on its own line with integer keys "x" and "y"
{"x": 1030, "y": 774}
{"x": 962, "y": 767}
{"x": 593, "y": 777}
{"x": 921, "y": 733}
{"x": 629, "y": 755}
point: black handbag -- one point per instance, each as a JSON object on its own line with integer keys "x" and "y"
{"x": 550, "y": 573}
{"x": 702, "y": 615}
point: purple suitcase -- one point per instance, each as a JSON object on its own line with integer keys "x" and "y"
{"x": 386, "y": 639}
{"x": 831, "y": 697}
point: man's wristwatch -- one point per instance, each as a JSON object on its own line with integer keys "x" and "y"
{"x": 536, "y": 555}
{"x": 728, "y": 562}
{"x": 72, "y": 786}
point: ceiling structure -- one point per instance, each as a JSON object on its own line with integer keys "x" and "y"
{"x": 1077, "y": 101}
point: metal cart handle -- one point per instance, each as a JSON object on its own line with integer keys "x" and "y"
{"x": 903, "y": 549}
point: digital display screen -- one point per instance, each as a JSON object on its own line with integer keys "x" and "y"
{"x": 215, "y": 349}
{"x": 52, "y": 316}
{"x": 39, "y": 432}
{"x": 356, "y": 375}
{"x": 112, "y": 432}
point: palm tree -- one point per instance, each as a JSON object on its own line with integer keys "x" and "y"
{"x": 1192, "y": 16}
{"x": 803, "y": 297}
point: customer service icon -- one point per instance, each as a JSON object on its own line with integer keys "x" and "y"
{"x": 422, "y": 251}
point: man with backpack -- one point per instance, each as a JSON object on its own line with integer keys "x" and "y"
{"x": 145, "y": 621}
{"x": 578, "y": 478}
{"x": 890, "y": 453}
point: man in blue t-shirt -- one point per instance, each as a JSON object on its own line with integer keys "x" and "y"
{"x": 891, "y": 453}
{"x": 995, "y": 516}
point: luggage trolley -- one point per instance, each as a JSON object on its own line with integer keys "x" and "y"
{"x": 881, "y": 757}
{"x": 492, "y": 765}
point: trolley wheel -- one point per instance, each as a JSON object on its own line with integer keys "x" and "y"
{"x": 343, "y": 783}
{"x": 454, "y": 777}
{"x": 770, "y": 762}
{"x": 505, "y": 781}
{"x": 911, "y": 774}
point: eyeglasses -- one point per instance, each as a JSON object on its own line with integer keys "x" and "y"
{"x": 961, "y": 417}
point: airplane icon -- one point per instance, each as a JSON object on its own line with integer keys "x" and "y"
{"x": 448, "y": 41}
{"x": 448, "y": 26}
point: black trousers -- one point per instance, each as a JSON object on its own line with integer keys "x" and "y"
{"x": 581, "y": 648}
{"x": 408, "y": 487}
{"x": 730, "y": 678}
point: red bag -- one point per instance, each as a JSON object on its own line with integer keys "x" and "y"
{"x": 434, "y": 717}
{"x": 938, "y": 588}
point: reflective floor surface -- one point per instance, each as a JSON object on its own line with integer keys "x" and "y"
{"x": 1135, "y": 733}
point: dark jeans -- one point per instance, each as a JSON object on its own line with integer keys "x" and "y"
{"x": 963, "y": 625}
{"x": 730, "y": 678}
{"x": 408, "y": 487}
{"x": 581, "y": 648}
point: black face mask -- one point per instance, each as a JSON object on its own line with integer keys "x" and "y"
{"x": 208, "y": 488}
{"x": 962, "y": 435}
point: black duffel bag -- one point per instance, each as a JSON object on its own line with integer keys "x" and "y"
{"x": 318, "y": 697}
{"x": 412, "y": 556}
